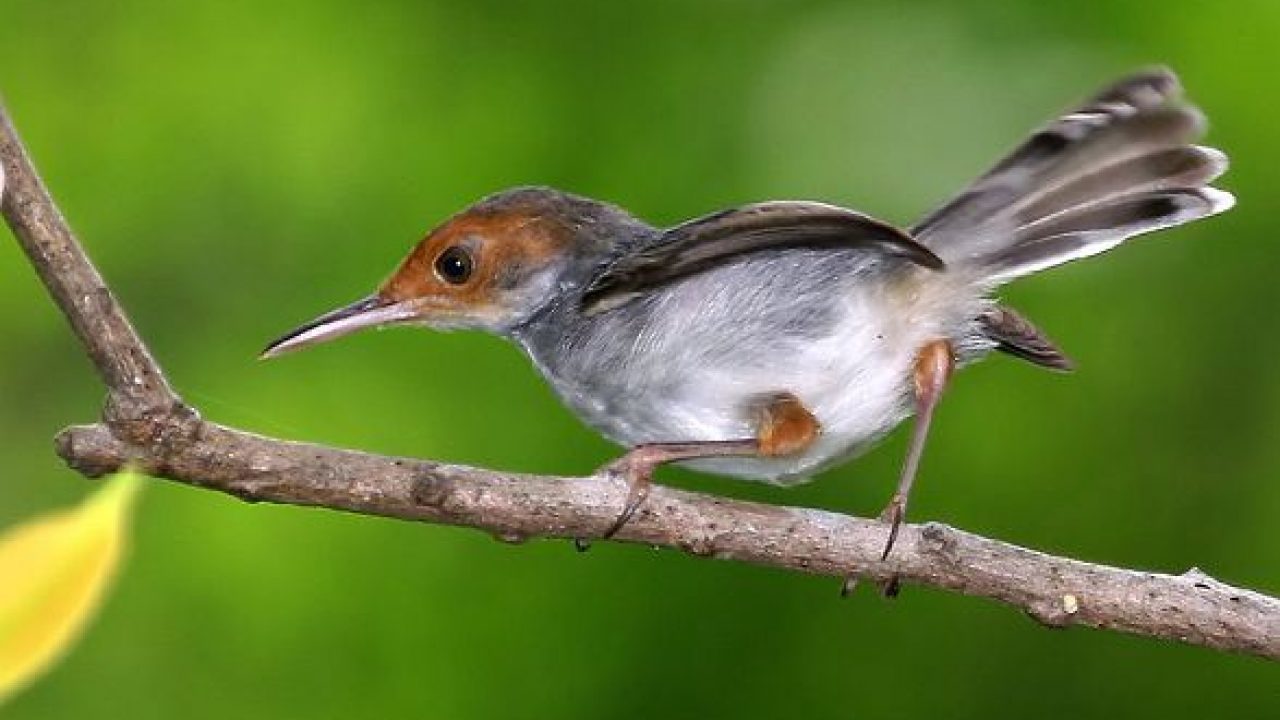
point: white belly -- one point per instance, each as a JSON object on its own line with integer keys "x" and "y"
{"x": 694, "y": 365}
{"x": 855, "y": 382}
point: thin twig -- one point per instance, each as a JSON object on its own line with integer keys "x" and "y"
{"x": 122, "y": 359}
{"x": 147, "y": 426}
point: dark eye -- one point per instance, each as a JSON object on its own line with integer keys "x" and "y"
{"x": 454, "y": 265}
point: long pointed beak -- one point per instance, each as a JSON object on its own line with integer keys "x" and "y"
{"x": 373, "y": 311}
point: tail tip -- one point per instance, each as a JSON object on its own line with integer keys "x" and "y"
{"x": 1220, "y": 201}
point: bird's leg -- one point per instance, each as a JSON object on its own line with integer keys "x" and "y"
{"x": 933, "y": 367}
{"x": 638, "y": 464}
{"x": 784, "y": 426}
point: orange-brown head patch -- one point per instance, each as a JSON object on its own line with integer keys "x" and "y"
{"x": 481, "y": 268}
{"x": 491, "y": 267}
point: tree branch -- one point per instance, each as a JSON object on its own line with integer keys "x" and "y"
{"x": 146, "y": 425}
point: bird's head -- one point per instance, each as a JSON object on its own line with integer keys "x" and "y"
{"x": 489, "y": 267}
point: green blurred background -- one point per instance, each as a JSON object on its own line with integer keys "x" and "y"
{"x": 235, "y": 167}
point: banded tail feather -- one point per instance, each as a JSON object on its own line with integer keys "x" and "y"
{"x": 1122, "y": 164}
{"x": 1092, "y": 166}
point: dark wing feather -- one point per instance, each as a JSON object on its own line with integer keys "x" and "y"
{"x": 1015, "y": 335}
{"x": 709, "y": 241}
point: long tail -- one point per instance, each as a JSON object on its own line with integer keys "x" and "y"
{"x": 1121, "y": 165}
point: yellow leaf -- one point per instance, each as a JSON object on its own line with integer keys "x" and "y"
{"x": 54, "y": 572}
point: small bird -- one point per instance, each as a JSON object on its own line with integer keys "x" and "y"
{"x": 773, "y": 340}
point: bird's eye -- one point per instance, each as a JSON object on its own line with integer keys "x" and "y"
{"x": 454, "y": 265}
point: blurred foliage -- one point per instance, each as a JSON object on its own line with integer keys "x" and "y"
{"x": 55, "y": 570}
{"x": 236, "y": 166}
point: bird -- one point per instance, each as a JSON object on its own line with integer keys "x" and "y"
{"x": 773, "y": 340}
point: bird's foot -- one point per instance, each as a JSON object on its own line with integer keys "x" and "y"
{"x": 849, "y": 585}
{"x": 636, "y": 470}
{"x": 637, "y": 466}
{"x": 893, "y": 514}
